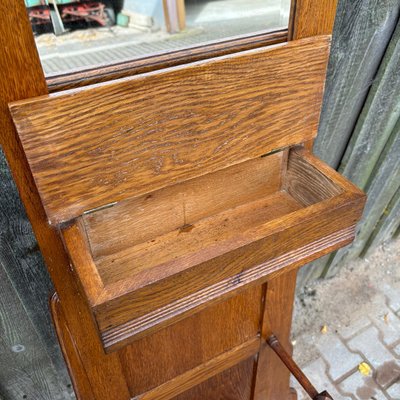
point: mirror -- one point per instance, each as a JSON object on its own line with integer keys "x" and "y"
{"x": 73, "y": 35}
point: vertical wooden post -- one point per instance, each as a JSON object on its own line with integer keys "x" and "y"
{"x": 166, "y": 16}
{"x": 174, "y": 14}
{"x": 312, "y": 18}
{"x": 272, "y": 379}
{"x": 308, "y": 18}
{"x": 22, "y": 77}
{"x": 181, "y": 14}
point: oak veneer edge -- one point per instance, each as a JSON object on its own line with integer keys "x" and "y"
{"x": 292, "y": 219}
{"x": 119, "y": 336}
{"x": 78, "y": 249}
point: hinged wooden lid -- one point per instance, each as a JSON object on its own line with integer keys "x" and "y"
{"x": 101, "y": 144}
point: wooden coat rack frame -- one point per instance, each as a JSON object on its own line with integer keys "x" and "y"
{"x": 174, "y": 216}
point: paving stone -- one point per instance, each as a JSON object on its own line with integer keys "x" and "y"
{"x": 301, "y": 394}
{"x": 396, "y": 349}
{"x": 362, "y": 387}
{"x": 316, "y": 373}
{"x": 393, "y": 297}
{"x": 394, "y": 391}
{"x": 340, "y": 360}
{"x": 377, "y": 355}
{"x": 389, "y": 326}
{"x": 369, "y": 337}
{"x": 349, "y": 331}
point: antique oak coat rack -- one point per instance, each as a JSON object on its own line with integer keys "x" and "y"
{"x": 174, "y": 216}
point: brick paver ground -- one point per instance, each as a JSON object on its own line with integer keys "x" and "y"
{"x": 372, "y": 337}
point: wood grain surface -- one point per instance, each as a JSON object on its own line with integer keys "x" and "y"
{"x": 74, "y": 79}
{"x": 142, "y": 287}
{"x": 232, "y": 384}
{"x": 91, "y": 147}
{"x": 203, "y": 372}
{"x": 306, "y": 183}
{"x": 234, "y": 322}
{"x": 179, "y": 206}
{"x": 272, "y": 378}
{"x": 208, "y": 238}
{"x": 22, "y": 77}
{"x": 313, "y": 18}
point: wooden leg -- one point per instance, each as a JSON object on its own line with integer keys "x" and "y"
{"x": 272, "y": 376}
{"x": 72, "y": 358}
{"x": 22, "y": 77}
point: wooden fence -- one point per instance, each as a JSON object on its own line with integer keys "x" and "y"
{"x": 360, "y": 122}
{"x": 359, "y": 135}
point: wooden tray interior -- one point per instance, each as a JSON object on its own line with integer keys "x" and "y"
{"x": 167, "y": 231}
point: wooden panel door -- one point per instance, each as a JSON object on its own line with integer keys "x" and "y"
{"x": 165, "y": 357}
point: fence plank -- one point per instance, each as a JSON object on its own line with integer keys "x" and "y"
{"x": 377, "y": 119}
{"x": 362, "y": 31}
{"x": 312, "y": 271}
{"x": 374, "y": 126}
{"x": 23, "y": 264}
{"x": 380, "y": 191}
{"x": 361, "y": 35}
{"x": 387, "y": 226}
{"x": 25, "y": 370}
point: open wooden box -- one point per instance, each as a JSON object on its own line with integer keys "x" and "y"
{"x": 166, "y": 254}
{"x": 176, "y": 189}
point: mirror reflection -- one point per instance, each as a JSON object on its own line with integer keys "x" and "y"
{"x": 78, "y": 34}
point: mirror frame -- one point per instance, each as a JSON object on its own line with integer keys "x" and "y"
{"x": 306, "y": 18}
